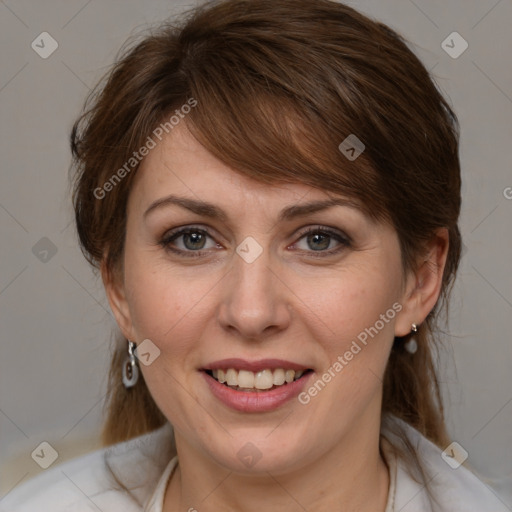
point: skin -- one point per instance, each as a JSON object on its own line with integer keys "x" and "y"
{"x": 287, "y": 304}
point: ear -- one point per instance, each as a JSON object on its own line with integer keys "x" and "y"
{"x": 423, "y": 286}
{"x": 114, "y": 288}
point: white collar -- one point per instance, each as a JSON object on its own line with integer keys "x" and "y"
{"x": 456, "y": 490}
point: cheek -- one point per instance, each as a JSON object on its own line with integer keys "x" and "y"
{"x": 163, "y": 306}
{"x": 355, "y": 313}
{"x": 349, "y": 304}
{"x": 358, "y": 310}
{"x": 155, "y": 300}
{"x": 164, "y": 302}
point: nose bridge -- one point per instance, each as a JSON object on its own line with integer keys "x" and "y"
{"x": 254, "y": 302}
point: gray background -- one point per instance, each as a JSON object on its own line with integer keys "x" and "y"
{"x": 55, "y": 321}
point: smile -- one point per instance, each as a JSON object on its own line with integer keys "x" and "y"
{"x": 263, "y": 380}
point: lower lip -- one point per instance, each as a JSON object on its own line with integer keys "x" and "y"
{"x": 256, "y": 401}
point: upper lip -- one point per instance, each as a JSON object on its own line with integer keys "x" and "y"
{"x": 254, "y": 366}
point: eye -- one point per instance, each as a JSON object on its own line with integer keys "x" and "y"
{"x": 189, "y": 241}
{"x": 193, "y": 241}
{"x": 321, "y": 240}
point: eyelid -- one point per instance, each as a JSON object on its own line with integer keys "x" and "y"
{"x": 186, "y": 227}
{"x": 344, "y": 240}
{"x": 211, "y": 232}
{"x": 175, "y": 233}
{"x": 327, "y": 230}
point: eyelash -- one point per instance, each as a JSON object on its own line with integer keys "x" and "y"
{"x": 170, "y": 237}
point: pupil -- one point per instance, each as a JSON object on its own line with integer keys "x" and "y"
{"x": 318, "y": 237}
{"x": 195, "y": 239}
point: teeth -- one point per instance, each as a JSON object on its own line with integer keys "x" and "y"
{"x": 264, "y": 379}
{"x": 245, "y": 379}
{"x": 232, "y": 377}
{"x": 279, "y": 377}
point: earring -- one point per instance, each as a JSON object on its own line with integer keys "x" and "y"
{"x": 412, "y": 345}
{"x": 130, "y": 367}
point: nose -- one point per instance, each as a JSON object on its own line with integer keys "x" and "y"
{"x": 255, "y": 302}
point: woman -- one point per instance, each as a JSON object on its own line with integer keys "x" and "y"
{"x": 271, "y": 191}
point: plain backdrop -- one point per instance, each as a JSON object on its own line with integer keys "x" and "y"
{"x": 55, "y": 322}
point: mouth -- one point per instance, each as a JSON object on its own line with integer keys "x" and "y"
{"x": 260, "y": 381}
{"x": 258, "y": 386}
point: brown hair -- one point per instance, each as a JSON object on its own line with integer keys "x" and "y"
{"x": 278, "y": 85}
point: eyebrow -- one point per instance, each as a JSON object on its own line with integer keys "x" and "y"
{"x": 205, "y": 209}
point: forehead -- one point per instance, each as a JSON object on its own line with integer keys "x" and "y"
{"x": 179, "y": 164}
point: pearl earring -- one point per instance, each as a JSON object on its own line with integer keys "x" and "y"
{"x": 412, "y": 345}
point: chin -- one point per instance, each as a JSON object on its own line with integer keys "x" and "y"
{"x": 259, "y": 453}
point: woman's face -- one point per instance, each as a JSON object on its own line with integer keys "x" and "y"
{"x": 245, "y": 281}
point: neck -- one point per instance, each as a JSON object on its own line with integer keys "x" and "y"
{"x": 343, "y": 475}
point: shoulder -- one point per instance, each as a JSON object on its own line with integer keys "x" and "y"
{"x": 88, "y": 482}
{"x": 454, "y": 487}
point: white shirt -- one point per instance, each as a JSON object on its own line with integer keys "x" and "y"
{"x": 143, "y": 465}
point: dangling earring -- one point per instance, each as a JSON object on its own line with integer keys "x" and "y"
{"x": 412, "y": 345}
{"x": 130, "y": 367}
